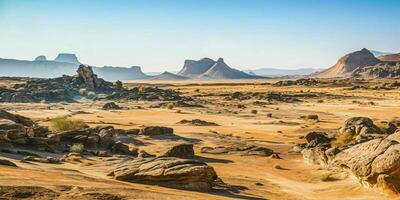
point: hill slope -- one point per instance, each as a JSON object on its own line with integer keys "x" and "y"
{"x": 349, "y": 63}
{"x": 390, "y": 57}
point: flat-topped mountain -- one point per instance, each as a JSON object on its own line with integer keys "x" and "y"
{"x": 67, "y": 57}
{"x": 168, "y": 76}
{"x": 64, "y": 64}
{"x": 390, "y": 57}
{"x": 193, "y": 68}
{"x": 220, "y": 70}
{"x": 349, "y": 63}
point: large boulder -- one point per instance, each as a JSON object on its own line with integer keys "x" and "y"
{"x": 167, "y": 171}
{"x": 111, "y": 106}
{"x": 9, "y": 130}
{"x": 180, "y": 151}
{"x": 359, "y": 126}
{"x": 156, "y": 130}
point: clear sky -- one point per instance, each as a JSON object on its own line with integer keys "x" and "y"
{"x": 160, "y": 34}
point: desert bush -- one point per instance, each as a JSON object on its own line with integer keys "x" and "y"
{"x": 77, "y": 148}
{"x": 312, "y": 116}
{"x": 327, "y": 177}
{"x": 269, "y": 115}
{"x": 254, "y": 111}
{"x": 170, "y": 106}
{"x": 320, "y": 101}
{"x": 65, "y": 123}
{"x": 142, "y": 89}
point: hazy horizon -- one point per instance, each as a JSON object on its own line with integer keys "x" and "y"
{"x": 160, "y": 35}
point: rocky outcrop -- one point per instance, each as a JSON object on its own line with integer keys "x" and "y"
{"x": 167, "y": 171}
{"x": 373, "y": 157}
{"x": 381, "y": 70}
{"x": 240, "y": 148}
{"x": 86, "y": 78}
{"x": 375, "y": 163}
{"x": 299, "y": 82}
{"x": 348, "y": 64}
{"x": 168, "y": 76}
{"x": 192, "y": 68}
{"x": 67, "y": 58}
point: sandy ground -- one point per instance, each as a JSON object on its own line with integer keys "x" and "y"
{"x": 254, "y": 177}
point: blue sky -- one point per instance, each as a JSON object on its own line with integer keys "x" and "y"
{"x": 159, "y": 34}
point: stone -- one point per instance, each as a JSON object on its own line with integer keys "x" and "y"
{"x": 123, "y": 148}
{"x": 7, "y": 163}
{"x": 169, "y": 172}
{"x": 156, "y": 130}
{"x": 359, "y": 126}
{"x": 111, "y": 106}
{"x": 180, "y": 151}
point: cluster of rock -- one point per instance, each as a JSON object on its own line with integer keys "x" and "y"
{"x": 361, "y": 148}
{"x": 84, "y": 84}
{"x": 270, "y": 96}
{"x": 66, "y": 88}
{"x": 148, "y": 94}
{"x": 381, "y": 70}
{"x": 298, "y": 82}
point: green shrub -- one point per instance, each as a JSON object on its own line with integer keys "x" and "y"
{"x": 65, "y": 123}
{"x": 77, "y": 148}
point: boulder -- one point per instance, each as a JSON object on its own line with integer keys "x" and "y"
{"x": 9, "y": 130}
{"x": 318, "y": 137}
{"x": 7, "y": 163}
{"x": 111, "y": 106}
{"x": 180, "y": 151}
{"x": 359, "y": 126}
{"x": 156, "y": 130}
{"x": 16, "y": 118}
{"x": 167, "y": 171}
{"x": 123, "y": 148}
{"x": 106, "y": 138}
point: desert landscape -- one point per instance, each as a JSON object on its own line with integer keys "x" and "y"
{"x": 252, "y": 100}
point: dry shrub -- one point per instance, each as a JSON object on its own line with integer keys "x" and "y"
{"x": 77, "y": 148}
{"x": 312, "y": 117}
{"x": 254, "y": 111}
{"x": 65, "y": 123}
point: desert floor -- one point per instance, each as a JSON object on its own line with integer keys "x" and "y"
{"x": 252, "y": 177}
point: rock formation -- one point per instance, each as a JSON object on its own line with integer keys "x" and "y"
{"x": 220, "y": 70}
{"x": 192, "y": 68}
{"x": 167, "y": 171}
{"x": 368, "y": 153}
{"x": 67, "y": 58}
{"x": 348, "y": 64}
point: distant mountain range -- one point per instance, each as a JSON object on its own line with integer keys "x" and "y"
{"x": 275, "y": 72}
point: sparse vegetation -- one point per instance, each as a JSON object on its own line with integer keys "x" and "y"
{"x": 395, "y": 121}
{"x": 269, "y": 115}
{"x": 312, "y": 117}
{"x": 170, "y": 106}
{"x": 66, "y": 123}
{"x": 77, "y": 148}
{"x": 254, "y": 112}
{"x": 327, "y": 177}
